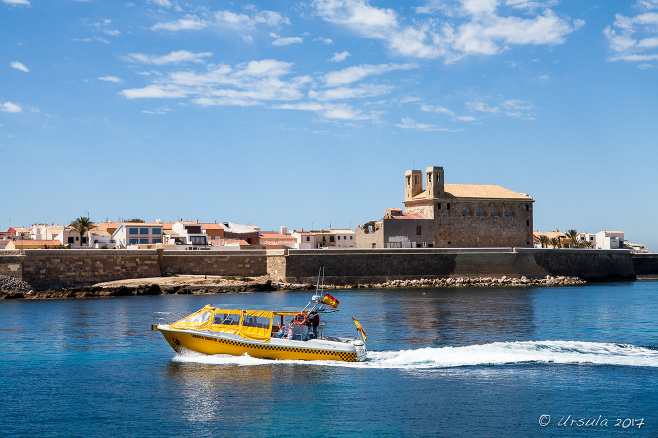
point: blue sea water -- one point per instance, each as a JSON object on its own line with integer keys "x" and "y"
{"x": 472, "y": 362}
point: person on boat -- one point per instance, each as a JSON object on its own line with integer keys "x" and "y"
{"x": 282, "y": 330}
{"x": 314, "y": 322}
{"x": 291, "y": 330}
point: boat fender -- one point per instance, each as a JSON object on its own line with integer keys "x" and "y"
{"x": 299, "y": 321}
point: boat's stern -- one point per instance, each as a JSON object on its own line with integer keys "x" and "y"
{"x": 361, "y": 352}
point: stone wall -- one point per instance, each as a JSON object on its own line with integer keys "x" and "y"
{"x": 487, "y": 230}
{"x": 377, "y": 266}
{"x": 11, "y": 265}
{"x": 343, "y": 267}
{"x": 646, "y": 265}
{"x": 233, "y": 263}
{"x": 66, "y": 265}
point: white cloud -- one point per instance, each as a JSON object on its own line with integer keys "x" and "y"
{"x": 453, "y": 30}
{"x": 225, "y": 19}
{"x": 114, "y": 79}
{"x": 330, "y": 111}
{"x": 189, "y": 22}
{"x": 159, "y": 111}
{"x": 17, "y": 2}
{"x": 634, "y": 39}
{"x": 251, "y": 83}
{"x": 161, "y": 3}
{"x": 356, "y": 73}
{"x": 408, "y": 123}
{"x": 438, "y": 109}
{"x": 176, "y": 57}
{"x": 278, "y": 41}
{"x": 10, "y": 107}
{"x": 514, "y": 108}
{"x": 19, "y": 66}
{"x": 324, "y": 40}
{"x": 340, "y": 57}
{"x": 531, "y": 4}
{"x": 368, "y": 90}
{"x": 157, "y": 91}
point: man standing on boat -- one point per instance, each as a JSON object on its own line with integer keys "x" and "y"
{"x": 314, "y": 322}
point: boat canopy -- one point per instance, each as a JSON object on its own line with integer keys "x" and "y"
{"x": 251, "y": 324}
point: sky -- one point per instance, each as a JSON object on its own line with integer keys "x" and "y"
{"x": 306, "y": 114}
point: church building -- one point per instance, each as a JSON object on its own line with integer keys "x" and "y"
{"x": 462, "y": 216}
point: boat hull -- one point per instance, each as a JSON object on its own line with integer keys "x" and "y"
{"x": 208, "y": 342}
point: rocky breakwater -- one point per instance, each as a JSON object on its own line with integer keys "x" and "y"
{"x": 480, "y": 281}
{"x": 10, "y": 288}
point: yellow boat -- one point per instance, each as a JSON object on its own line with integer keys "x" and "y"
{"x": 263, "y": 333}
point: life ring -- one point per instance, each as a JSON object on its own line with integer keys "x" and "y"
{"x": 297, "y": 321}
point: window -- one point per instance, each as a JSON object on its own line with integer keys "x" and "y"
{"x": 157, "y": 231}
{"x": 256, "y": 321}
{"x": 527, "y": 222}
{"x": 448, "y": 206}
{"x": 338, "y": 237}
{"x": 438, "y": 206}
{"x": 351, "y": 237}
{"x": 494, "y": 212}
{"x": 466, "y": 212}
{"x": 143, "y": 231}
{"x": 143, "y": 241}
{"x": 70, "y": 239}
{"x": 509, "y": 212}
{"x": 84, "y": 240}
{"x": 408, "y": 180}
{"x": 418, "y": 230}
{"x": 132, "y": 241}
{"x": 527, "y": 207}
{"x": 132, "y": 231}
{"x": 308, "y": 238}
{"x": 480, "y": 212}
{"x": 226, "y": 318}
{"x": 157, "y": 240}
{"x": 331, "y": 238}
{"x": 198, "y": 240}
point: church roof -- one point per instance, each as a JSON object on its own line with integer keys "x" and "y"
{"x": 479, "y": 191}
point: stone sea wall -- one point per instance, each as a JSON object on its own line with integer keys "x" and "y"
{"x": 377, "y": 266}
{"x": 646, "y": 265}
{"x": 63, "y": 268}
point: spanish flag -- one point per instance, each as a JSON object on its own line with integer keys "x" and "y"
{"x": 359, "y": 328}
{"x": 329, "y": 300}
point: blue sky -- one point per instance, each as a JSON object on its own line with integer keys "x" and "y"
{"x": 307, "y": 113}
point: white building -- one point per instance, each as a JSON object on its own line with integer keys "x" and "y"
{"x": 609, "y": 239}
{"x": 305, "y": 240}
{"x": 190, "y": 233}
{"x": 136, "y": 233}
{"x": 344, "y": 238}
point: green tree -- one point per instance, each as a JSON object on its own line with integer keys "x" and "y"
{"x": 544, "y": 241}
{"x": 82, "y": 225}
{"x": 555, "y": 242}
{"x": 574, "y": 239}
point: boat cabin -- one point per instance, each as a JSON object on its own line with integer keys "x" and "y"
{"x": 254, "y": 324}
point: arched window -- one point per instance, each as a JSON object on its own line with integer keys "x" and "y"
{"x": 509, "y": 212}
{"x": 480, "y": 212}
{"x": 494, "y": 212}
{"x": 466, "y": 212}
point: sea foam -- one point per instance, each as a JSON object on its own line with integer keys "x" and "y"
{"x": 497, "y": 353}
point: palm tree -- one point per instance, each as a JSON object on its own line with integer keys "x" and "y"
{"x": 573, "y": 238}
{"x": 555, "y": 242}
{"x": 544, "y": 241}
{"x": 82, "y": 225}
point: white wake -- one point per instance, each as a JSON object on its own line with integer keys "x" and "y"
{"x": 497, "y": 353}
